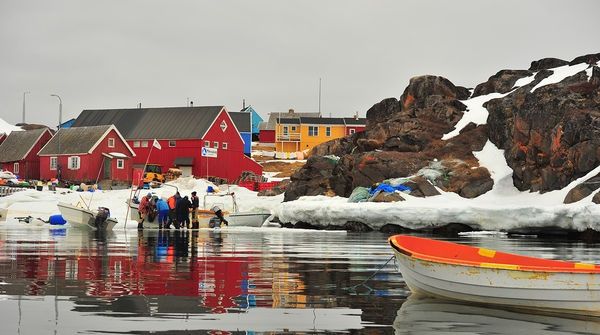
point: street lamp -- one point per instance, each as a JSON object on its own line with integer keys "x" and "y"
{"x": 58, "y": 133}
{"x": 24, "y": 93}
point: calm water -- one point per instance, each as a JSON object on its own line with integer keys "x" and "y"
{"x": 239, "y": 281}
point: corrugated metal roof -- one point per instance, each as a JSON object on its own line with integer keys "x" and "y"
{"x": 242, "y": 121}
{"x": 322, "y": 120}
{"x": 275, "y": 115}
{"x": 355, "y": 122}
{"x": 291, "y": 120}
{"x": 18, "y": 144}
{"x": 153, "y": 123}
{"x": 77, "y": 140}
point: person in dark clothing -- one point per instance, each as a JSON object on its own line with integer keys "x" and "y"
{"x": 172, "y": 201}
{"x": 183, "y": 212}
{"x": 195, "y": 205}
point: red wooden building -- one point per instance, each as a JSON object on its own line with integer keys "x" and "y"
{"x": 354, "y": 125}
{"x": 18, "y": 152}
{"x": 182, "y": 133}
{"x": 2, "y": 137}
{"x": 86, "y": 154}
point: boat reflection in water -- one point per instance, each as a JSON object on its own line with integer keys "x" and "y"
{"x": 426, "y": 315}
{"x": 162, "y": 281}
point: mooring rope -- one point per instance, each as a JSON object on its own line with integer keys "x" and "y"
{"x": 364, "y": 282}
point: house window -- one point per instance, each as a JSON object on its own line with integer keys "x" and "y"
{"x": 313, "y": 131}
{"x": 293, "y": 128}
{"x": 16, "y": 168}
{"x": 285, "y": 129}
{"x": 172, "y": 144}
{"x": 352, "y": 131}
{"x": 144, "y": 144}
{"x": 224, "y": 145}
{"x": 207, "y": 144}
{"x": 327, "y": 131}
{"x": 111, "y": 142}
{"x": 216, "y": 145}
{"x": 223, "y": 125}
{"x": 53, "y": 163}
{"x": 136, "y": 144}
{"x": 120, "y": 163}
{"x": 74, "y": 163}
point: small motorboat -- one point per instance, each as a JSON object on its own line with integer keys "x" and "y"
{"x": 235, "y": 217}
{"x": 454, "y": 271}
{"x": 80, "y": 217}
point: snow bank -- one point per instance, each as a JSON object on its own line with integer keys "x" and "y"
{"x": 7, "y": 128}
{"x": 560, "y": 73}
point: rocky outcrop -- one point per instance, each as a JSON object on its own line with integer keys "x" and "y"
{"x": 583, "y": 190}
{"x": 551, "y": 136}
{"x": 501, "y": 82}
{"x": 546, "y": 63}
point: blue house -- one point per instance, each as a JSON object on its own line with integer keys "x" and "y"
{"x": 67, "y": 124}
{"x": 256, "y": 120}
{"x": 242, "y": 121}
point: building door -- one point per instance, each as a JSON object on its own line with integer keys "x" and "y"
{"x": 107, "y": 168}
{"x": 186, "y": 171}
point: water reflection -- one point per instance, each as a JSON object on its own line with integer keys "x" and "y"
{"x": 177, "y": 280}
{"x": 422, "y": 315}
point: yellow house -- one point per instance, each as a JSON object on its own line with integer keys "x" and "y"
{"x": 295, "y": 134}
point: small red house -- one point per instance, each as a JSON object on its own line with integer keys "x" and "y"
{"x": 182, "y": 133}
{"x": 87, "y": 154}
{"x": 354, "y": 125}
{"x": 18, "y": 152}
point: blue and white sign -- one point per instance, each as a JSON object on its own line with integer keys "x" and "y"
{"x": 209, "y": 152}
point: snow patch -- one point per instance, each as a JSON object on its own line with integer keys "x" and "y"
{"x": 7, "y": 128}
{"x": 475, "y": 112}
{"x": 493, "y": 159}
{"x": 524, "y": 81}
{"x": 560, "y": 73}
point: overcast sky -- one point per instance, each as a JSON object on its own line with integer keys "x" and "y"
{"x": 114, "y": 54}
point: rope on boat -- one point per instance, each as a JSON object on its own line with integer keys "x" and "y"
{"x": 364, "y": 282}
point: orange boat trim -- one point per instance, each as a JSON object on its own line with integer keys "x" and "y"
{"x": 459, "y": 254}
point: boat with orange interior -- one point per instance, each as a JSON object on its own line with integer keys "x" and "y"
{"x": 455, "y": 271}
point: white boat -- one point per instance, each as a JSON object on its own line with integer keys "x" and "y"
{"x": 479, "y": 275}
{"x": 235, "y": 218}
{"x": 81, "y": 217}
{"x": 426, "y": 315}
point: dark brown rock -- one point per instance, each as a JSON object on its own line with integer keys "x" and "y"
{"x": 589, "y": 59}
{"x": 546, "y": 63}
{"x": 596, "y": 198}
{"x": 387, "y": 197}
{"x": 501, "y": 82}
{"x": 583, "y": 190}
{"x": 382, "y": 111}
{"x": 421, "y": 187}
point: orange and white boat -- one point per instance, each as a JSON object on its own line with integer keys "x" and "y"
{"x": 461, "y": 272}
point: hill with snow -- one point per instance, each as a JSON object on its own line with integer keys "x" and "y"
{"x": 7, "y": 128}
{"x": 518, "y": 152}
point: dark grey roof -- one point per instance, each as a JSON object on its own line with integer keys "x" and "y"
{"x": 322, "y": 120}
{"x": 290, "y": 120}
{"x": 77, "y": 140}
{"x": 275, "y": 115}
{"x": 242, "y": 121}
{"x": 18, "y": 144}
{"x": 153, "y": 123}
{"x": 355, "y": 122}
{"x": 261, "y": 126}
{"x": 184, "y": 161}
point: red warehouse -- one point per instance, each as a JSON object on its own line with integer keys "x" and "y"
{"x": 182, "y": 133}
{"x": 86, "y": 154}
{"x": 18, "y": 152}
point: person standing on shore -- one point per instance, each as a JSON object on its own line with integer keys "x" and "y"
{"x": 183, "y": 212}
{"x": 195, "y": 206}
{"x": 163, "y": 212}
{"x": 172, "y": 202}
{"x": 143, "y": 209}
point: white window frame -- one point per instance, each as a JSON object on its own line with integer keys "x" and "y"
{"x": 144, "y": 144}
{"x": 285, "y": 130}
{"x": 54, "y": 166}
{"x": 111, "y": 142}
{"x": 74, "y": 159}
{"x": 352, "y": 131}
{"x": 293, "y": 128}
{"x": 16, "y": 168}
{"x": 207, "y": 144}
{"x": 215, "y": 144}
{"x": 328, "y": 131}
{"x": 120, "y": 163}
{"x": 136, "y": 144}
{"x": 224, "y": 145}
{"x": 313, "y": 131}
{"x": 172, "y": 144}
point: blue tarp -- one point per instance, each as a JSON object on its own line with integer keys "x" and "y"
{"x": 389, "y": 189}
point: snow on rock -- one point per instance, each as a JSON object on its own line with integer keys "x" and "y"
{"x": 492, "y": 158}
{"x": 590, "y": 70}
{"x": 524, "y": 81}
{"x": 475, "y": 113}
{"x": 560, "y": 73}
{"x": 7, "y": 128}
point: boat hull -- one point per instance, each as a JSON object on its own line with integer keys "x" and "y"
{"x": 82, "y": 218}
{"x": 577, "y": 293}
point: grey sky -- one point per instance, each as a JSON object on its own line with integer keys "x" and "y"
{"x": 114, "y": 54}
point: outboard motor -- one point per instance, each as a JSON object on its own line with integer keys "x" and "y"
{"x": 101, "y": 217}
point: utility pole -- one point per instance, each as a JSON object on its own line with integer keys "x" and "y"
{"x": 24, "y": 93}
{"x": 319, "y": 97}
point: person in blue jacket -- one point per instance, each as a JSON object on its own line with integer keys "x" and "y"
{"x": 163, "y": 213}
